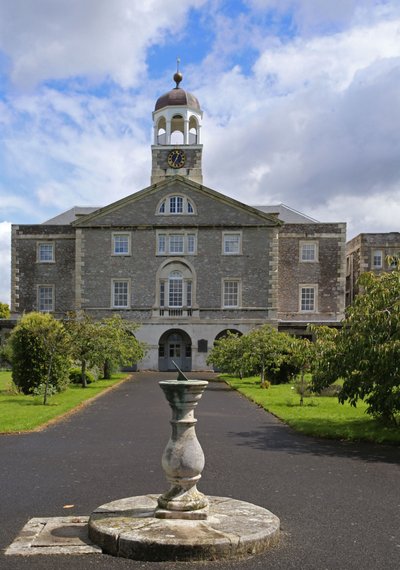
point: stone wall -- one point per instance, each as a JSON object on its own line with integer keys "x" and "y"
{"x": 327, "y": 273}
{"x": 359, "y": 257}
{"x": 27, "y": 272}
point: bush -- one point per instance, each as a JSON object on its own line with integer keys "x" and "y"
{"x": 330, "y": 391}
{"x": 39, "y": 353}
{"x": 5, "y": 355}
{"x": 75, "y": 376}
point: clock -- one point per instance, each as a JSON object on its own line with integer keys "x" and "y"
{"x": 176, "y": 158}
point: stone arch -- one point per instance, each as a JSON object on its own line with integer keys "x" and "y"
{"x": 175, "y": 288}
{"x": 225, "y": 332}
{"x": 193, "y": 130}
{"x": 177, "y": 130}
{"x": 175, "y": 345}
{"x": 162, "y": 131}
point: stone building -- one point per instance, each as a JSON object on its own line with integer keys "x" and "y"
{"x": 186, "y": 262}
{"x": 368, "y": 252}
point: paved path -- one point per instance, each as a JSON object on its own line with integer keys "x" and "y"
{"x": 339, "y": 503}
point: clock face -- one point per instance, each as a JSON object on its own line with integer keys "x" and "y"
{"x": 176, "y": 158}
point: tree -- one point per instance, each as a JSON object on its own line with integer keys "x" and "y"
{"x": 86, "y": 346}
{"x": 367, "y": 349}
{"x": 227, "y": 354}
{"x": 302, "y": 355}
{"x": 93, "y": 343}
{"x": 4, "y": 311}
{"x": 40, "y": 359}
{"x": 266, "y": 351}
{"x": 261, "y": 351}
{"x": 119, "y": 344}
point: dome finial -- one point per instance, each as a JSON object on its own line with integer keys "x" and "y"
{"x": 178, "y": 75}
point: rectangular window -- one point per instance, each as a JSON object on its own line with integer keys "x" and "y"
{"x": 377, "y": 259}
{"x": 176, "y": 243}
{"x": 46, "y": 252}
{"x": 176, "y": 205}
{"x": 191, "y": 243}
{"x": 232, "y": 244}
{"x": 175, "y": 293}
{"x": 173, "y": 243}
{"x": 308, "y": 251}
{"x": 120, "y": 296}
{"x": 188, "y": 293}
{"x": 161, "y": 243}
{"x": 231, "y": 293}
{"x": 46, "y": 298}
{"x": 307, "y": 300}
{"x": 162, "y": 294}
{"x": 121, "y": 244}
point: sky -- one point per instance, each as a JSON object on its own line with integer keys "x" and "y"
{"x": 301, "y": 102}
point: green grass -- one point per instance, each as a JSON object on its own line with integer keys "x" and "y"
{"x": 319, "y": 416}
{"x": 25, "y": 413}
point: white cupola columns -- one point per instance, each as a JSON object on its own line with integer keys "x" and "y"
{"x": 177, "y": 125}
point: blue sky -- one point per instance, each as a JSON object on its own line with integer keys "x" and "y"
{"x": 301, "y": 103}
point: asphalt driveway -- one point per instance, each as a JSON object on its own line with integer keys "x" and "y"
{"x": 339, "y": 503}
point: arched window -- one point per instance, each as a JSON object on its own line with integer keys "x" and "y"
{"x": 176, "y": 204}
{"x": 176, "y": 289}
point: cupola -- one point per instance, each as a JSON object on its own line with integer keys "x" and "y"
{"x": 177, "y": 145}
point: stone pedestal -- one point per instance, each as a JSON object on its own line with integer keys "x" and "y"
{"x": 129, "y": 528}
{"x": 182, "y": 523}
{"x": 183, "y": 458}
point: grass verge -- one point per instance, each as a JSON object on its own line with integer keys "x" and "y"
{"x": 319, "y": 416}
{"x": 26, "y": 413}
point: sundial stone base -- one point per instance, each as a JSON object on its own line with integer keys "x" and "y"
{"x": 129, "y": 528}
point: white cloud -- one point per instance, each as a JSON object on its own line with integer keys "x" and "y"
{"x": 331, "y": 61}
{"x": 377, "y": 213}
{"x": 326, "y": 128}
{"x": 56, "y": 39}
{"x": 5, "y": 261}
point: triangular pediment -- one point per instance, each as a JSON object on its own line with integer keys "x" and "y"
{"x": 210, "y": 208}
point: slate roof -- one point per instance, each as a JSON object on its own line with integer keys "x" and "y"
{"x": 283, "y": 212}
{"x": 287, "y": 214}
{"x": 66, "y": 218}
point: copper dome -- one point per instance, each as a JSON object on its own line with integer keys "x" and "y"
{"x": 177, "y": 97}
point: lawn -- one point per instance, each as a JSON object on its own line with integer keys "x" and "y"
{"x": 319, "y": 416}
{"x": 25, "y": 413}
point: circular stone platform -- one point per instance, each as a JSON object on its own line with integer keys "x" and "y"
{"x": 128, "y": 528}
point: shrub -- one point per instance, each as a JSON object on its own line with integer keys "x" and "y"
{"x": 75, "y": 376}
{"x": 330, "y": 391}
{"x": 39, "y": 353}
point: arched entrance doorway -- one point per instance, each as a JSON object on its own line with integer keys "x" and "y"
{"x": 225, "y": 332}
{"x": 175, "y": 345}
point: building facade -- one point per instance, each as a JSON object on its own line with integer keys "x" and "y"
{"x": 368, "y": 252}
{"x": 185, "y": 261}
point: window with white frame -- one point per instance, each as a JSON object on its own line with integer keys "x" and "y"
{"x": 120, "y": 293}
{"x": 176, "y": 287}
{"x": 173, "y": 243}
{"x": 176, "y": 205}
{"x": 232, "y": 243}
{"x": 176, "y": 243}
{"x": 308, "y": 298}
{"x": 377, "y": 259}
{"x": 231, "y": 290}
{"x": 308, "y": 251}
{"x": 46, "y": 298}
{"x": 45, "y": 252}
{"x": 121, "y": 244}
